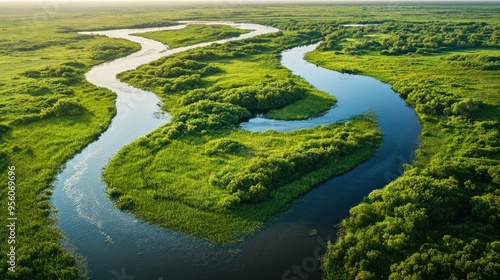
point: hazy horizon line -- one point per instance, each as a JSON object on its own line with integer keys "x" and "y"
{"x": 56, "y": 4}
{"x": 235, "y": 2}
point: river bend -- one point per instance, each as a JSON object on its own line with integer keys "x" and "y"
{"x": 117, "y": 246}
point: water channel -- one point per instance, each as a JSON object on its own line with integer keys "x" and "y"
{"x": 118, "y": 246}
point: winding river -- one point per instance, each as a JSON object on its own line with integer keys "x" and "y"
{"x": 117, "y": 246}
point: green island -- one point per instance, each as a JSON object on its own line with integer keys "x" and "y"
{"x": 200, "y": 171}
{"x": 245, "y": 73}
{"x": 193, "y": 34}
{"x": 439, "y": 220}
{"x": 234, "y": 178}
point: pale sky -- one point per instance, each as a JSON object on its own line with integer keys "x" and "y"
{"x": 230, "y": 2}
{"x": 239, "y": 1}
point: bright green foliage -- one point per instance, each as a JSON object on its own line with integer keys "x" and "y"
{"x": 48, "y": 112}
{"x": 193, "y": 34}
{"x": 174, "y": 75}
{"x": 200, "y": 171}
{"x": 125, "y": 202}
{"x": 36, "y": 39}
{"x": 416, "y": 227}
{"x": 206, "y": 115}
{"x": 397, "y": 38}
{"x": 232, "y": 177}
{"x": 223, "y": 146}
{"x": 259, "y": 97}
{"x": 440, "y": 219}
{"x": 265, "y": 173}
{"x": 47, "y": 92}
{"x": 101, "y": 51}
{"x": 478, "y": 61}
{"x": 220, "y": 73}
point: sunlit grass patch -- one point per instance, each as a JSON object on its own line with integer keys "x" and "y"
{"x": 193, "y": 34}
{"x": 189, "y": 184}
{"x": 454, "y": 174}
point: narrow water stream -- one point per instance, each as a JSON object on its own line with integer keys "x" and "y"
{"x": 117, "y": 246}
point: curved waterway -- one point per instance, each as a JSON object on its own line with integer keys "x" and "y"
{"x": 118, "y": 246}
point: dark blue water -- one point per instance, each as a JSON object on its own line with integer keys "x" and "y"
{"x": 117, "y": 246}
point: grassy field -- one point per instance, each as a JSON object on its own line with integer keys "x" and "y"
{"x": 193, "y": 34}
{"x": 201, "y": 171}
{"x": 440, "y": 219}
{"x": 250, "y": 64}
{"x": 314, "y": 103}
{"x": 49, "y": 113}
{"x": 184, "y": 184}
{"x": 438, "y": 70}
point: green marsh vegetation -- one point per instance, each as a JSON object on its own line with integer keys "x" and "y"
{"x": 193, "y": 34}
{"x": 48, "y": 112}
{"x": 228, "y": 182}
{"x": 38, "y": 47}
{"x": 440, "y": 219}
{"x": 228, "y": 73}
{"x": 200, "y": 171}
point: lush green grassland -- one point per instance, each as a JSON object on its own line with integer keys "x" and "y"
{"x": 48, "y": 112}
{"x": 193, "y": 34}
{"x": 37, "y": 135}
{"x": 233, "y": 178}
{"x": 234, "y": 73}
{"x": 440, "y": 220}
{"x": 200, "y": 171}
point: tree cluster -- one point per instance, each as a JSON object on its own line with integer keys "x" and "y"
{"x": 105, "y": 52}
{"x": 477, "y": 62}
{"x": 397, "y": 38}
{"x": 436, "y": 226}
{"x": 429, "y": 102}
{"x": 170, "y": 76}
{"x": 259, "y": 97}
{"x": 206, "y": 115}
{"x": 439, "y": 220}
{"x": 253, "y": 183}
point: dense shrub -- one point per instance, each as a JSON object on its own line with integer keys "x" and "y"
{"x": 412, "y": 37}
{"x": 104, "y": 52}
{"x": 65, "y": 107}
{"x": 440, "y": 219}
{"x": 223, "y": 146}
{"x": 125, "y": 202}
{"x": 257, "y": 98}
{"x": 263, "y": 174}
{"x": 4, "y": 160}
{"x": 463, "y": 107}
{"x": 4, "y": 129}
{"x": 208, "y": 115}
